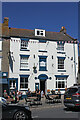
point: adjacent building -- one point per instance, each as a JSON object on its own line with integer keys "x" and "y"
{"x": 38, "y": 59}
{"x": 79, "y": 66}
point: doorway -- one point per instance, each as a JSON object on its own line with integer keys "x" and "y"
{"x": 42, "y": 85}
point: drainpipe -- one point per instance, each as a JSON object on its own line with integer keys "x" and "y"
{"x": 74, "y": 63}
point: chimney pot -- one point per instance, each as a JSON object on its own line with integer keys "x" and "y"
{"x": 63, "y": 29}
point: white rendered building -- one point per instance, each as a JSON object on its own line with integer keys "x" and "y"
{"x": 39, "y": 59}
{"x": 42, "y": 62}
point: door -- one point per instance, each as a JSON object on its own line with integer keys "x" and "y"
{"x": 42, "y": 85}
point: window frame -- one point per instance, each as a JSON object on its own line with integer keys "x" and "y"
{"x": 24, "y": 83}
{"x": 40, "y": 31}
{"x": 12, "y": 86}
{"x": 43, "y": 59}
{"x": 60, "y": 63}
{"x": 24, "y": 62}
{"x": 61, "y": 80}
{"x": 60, "y": 46}
{"x": 24, "y": 45}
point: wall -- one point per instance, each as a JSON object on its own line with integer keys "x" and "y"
{"x": 5, "y": 51}
{"x": 49, "y": 49}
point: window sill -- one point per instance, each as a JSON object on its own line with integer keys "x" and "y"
{"x": 23, "y": 89}
{"x": 24, "y": 50}
{"x": 61, "y": 70}
{"x": 42, "y": 51}
{"x": 61, "y": 89}
{"x": 43, "y": 70}
{"x": 24, "y": 69}
{"x": 61, "y": 52}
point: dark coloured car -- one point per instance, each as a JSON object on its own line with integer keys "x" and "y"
{"x": 72, "y": 97}
{"x": 14, "y": 111}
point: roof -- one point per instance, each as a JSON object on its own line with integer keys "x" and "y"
{"x": 17, "y": 32}
{"x": 26, "y": 33}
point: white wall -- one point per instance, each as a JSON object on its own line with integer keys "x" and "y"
{"x": 50, "y": 47}
{"x": 0, "y": 45}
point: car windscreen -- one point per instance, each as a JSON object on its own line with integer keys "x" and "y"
{"x": 71, "y": 90}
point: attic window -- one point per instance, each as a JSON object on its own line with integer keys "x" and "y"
{"x": 39, "y": 32}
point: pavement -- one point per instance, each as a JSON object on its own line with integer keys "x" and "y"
{"x": 44, "y": 104}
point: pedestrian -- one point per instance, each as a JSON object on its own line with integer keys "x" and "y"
{"x": 53, "y": 92}
{"x": 28, "y": 93}
{"x": 5, "y": 95}
{"x": 39, "y": 95}
{"x": 11, "y": 96}
{"x": 37, "y": 90}
{"x": 59, "y": 93}
{"x": 42, "y": 93}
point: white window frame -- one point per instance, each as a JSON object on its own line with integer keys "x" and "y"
{"x": 40, "y": 32}
{"x": 24, "y": 44}
{"x": 60, "y": 47}
{"x": 23, "y": 83}
{"x": 61, "y": 79}
{"x": 24, "y": 62}
{"x": 60, "y": 64}
{"x": 12, "y": 85}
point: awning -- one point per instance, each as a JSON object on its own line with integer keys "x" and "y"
{"x": 25, "y": 76}
{"x": 42, "y": 77}
{"x": 61, "y": 75}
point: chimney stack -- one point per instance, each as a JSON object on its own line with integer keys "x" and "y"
{"x": 63, "y": 29}
{"x": 6, "y": 20}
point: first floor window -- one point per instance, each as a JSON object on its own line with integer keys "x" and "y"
{"x": 61, "y": 82}
{"x": 60, "y": 63}
{"x": 24, "y": 62}
{"x": 23, "y": 82}
{"x": 42, "y": 63}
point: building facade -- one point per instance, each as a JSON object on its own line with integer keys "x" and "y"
{"x": 38, "y": 59}
{"x": 79, "y": 66}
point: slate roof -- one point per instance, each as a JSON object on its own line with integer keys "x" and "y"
{"x": 17, "y": 32}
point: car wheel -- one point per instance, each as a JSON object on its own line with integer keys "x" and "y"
{"x": 20, "y": 115}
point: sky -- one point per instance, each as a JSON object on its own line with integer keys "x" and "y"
{"x": 50, "y": 16}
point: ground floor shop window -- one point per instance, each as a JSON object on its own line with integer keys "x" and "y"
{"x": 61, "y": 82}
{"x": 23, "y": 82}
{"x": 12, "y": 84}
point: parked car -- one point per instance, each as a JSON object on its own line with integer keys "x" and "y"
{"x": 72, "y": 97}
{"x": 14, "y": 111}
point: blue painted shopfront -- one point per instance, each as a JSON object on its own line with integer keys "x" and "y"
{"x": 11, "y": 80}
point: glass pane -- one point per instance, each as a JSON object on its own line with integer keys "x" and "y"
{"x": 13, "y": 83}
{"x": 59, "y": 84}
{"x": 21, "y": 79}
{"x": 26, "y": 79}
{"x": 26, "y": 85}
{"x": 63, "y": 84}
{"x": 21, "y": 85}
{"x": 56, "y": 84}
